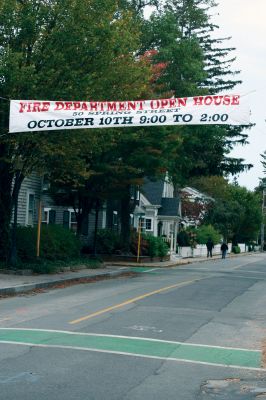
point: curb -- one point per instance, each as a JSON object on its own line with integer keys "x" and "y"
{"x": 13, "y": 290}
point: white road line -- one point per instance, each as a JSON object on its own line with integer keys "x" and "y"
{"x": 133, "y": 355}
{"x": 130, "y": 337}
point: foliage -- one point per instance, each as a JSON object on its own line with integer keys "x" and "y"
{"x": 204, "y": 232}
{"x": 57, "y": 243}
{"x": 194, "y": 208}
{"x": 183, "y": 238}
{"x": 156, "y": 246}
{"x": 40, "y": 58}
{"x": 235, "y": 249}
{"x": 236, "y": 211}
{"x": 108, "y": 242}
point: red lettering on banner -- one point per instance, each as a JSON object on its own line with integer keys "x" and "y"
{"x": 155, "y": 104}
{"x": 111, "y": 106}
{"x": 22, "y": 107}
{"x": 198, "y": 100}
{"x": 93, "y": 106}
{"x": 182, "y": 101}
{"x": 46, "y": 106}
{"x": 68, "y": 105}
{"x": 225, "y": 100}
{"x": 35, "y": 106}
{"x": 84, "y": 106}
{"x": 76, "y": 105}
{"x": 131, "y": 105}
{"x": 217, "y": 100}
{"x": 59, "y": 105}
{"x": 208, "y": 100}
{"x": 122, "y": 106}
{"x": 235, "y": 100}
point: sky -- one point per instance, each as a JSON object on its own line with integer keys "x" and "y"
{"x": 244, "y": 22}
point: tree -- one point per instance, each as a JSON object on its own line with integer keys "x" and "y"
{"x": 46, "y": 54}
{"x": 235, "y": 212}
{"x": 181, "y": 31}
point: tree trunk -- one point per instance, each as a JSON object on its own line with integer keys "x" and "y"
{"x": 12, "y": 260}
{"x": 125, "y": 220}
{"x": 5, "y": 208}
{"x": 97, "y": 209}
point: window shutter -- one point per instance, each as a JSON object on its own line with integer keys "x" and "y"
{"x": 66, "y": 219}
{"x": 52, "y": 217}
{"x": 85, "y": 226}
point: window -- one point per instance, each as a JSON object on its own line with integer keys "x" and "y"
{"x": 115, "y": 218}
{"x": 73, "y": 222}
{"x": 49, "y": 216}
{"x": 148, "y": 224}
{"x": 30, "y": 209}
{"x": 69, "y": 220}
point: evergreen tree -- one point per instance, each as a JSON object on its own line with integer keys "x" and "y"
{"x": 182, "y": 33}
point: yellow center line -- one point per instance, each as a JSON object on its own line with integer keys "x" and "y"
{"x": 143, "y": 296}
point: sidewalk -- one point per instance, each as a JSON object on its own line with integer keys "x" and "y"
{"x": 11, "y": 284}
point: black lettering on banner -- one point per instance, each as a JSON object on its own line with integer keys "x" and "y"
{"x": 32, "y": 124}
{"x": 182, "y": 117}
{"x": 214, "y": 117}
{"x": 127, "y": 120}
{"x": 224, "y": 117}
{"x": 89, "y": 121}
{"x": 59, "y": 123}
{"x": 116, "y": 120}
{"x": 49, "y": 123}
{"x": 79, "y": 121}
{"x": 154, "y": 119}
{"x": 69, "y": 122}
{"x": 42, "y": 123}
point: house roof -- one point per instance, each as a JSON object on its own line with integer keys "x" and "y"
{"x": 153, "y": 191}
{"x": 169, "y": 207}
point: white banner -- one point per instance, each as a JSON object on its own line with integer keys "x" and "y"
{"x": 31, "y": 115}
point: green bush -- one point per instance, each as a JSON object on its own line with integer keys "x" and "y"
{"x": 108, "y": 242}
{"x": 183, "y": 239}
{"x": 235, "y": 249}
{"x": 57, "y": 243}
{"x": 162, "y": 247}
{"x": 204, "y": 232}
{"x": 152, "y": 245}
{"x": 157, "y": 247}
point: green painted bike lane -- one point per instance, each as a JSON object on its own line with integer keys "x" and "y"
{"x": 143, "y": 347}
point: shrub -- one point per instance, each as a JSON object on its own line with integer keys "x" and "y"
{"x": 144, "y": 244}
{"x": 157, "y": 247}
{"x": 183, "y": 239}
{"x": 162, "y": 247}
{"x": 107, "y": 241}
{"x": 57, "y": 243}
{"x": 207, "y": 231}
{"x": 236, "y": 249}
{"x": 153, "y": 245}
{"x": 26, "y": 243}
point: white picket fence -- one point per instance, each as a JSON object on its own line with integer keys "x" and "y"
{"x": 201, "y": 250}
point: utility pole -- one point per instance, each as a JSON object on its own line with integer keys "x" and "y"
{"x": 262, "y": 221}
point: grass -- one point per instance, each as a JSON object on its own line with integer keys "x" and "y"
{"x": 42, "y": 266}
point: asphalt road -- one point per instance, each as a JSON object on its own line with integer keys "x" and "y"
{"x": 191, "y": 332}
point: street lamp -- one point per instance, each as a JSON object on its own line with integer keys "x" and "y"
{"x": 140, "y": 214}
